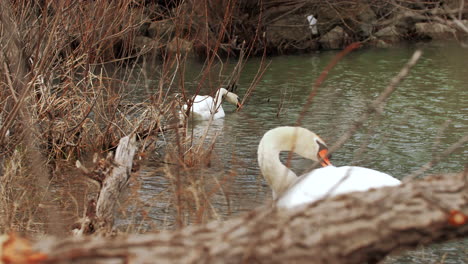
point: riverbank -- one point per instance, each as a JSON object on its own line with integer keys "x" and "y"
{"x": 285, "y": 27}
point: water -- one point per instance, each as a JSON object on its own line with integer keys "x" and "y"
{"x": 425, "y": 115}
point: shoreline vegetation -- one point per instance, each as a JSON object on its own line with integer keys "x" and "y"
{"x": 65, "y": 70}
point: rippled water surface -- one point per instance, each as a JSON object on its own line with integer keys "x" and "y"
{"x": 426, "y": 114}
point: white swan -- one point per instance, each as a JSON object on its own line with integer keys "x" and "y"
{"x": 292, "y": 190}
{"x": 205, "y": 106}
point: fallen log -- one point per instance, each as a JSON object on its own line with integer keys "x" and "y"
{"x": 352, "y": 228}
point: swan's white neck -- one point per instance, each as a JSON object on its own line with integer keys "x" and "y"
{"x": 300, "y": 140}
{"x": 219, "y": 97}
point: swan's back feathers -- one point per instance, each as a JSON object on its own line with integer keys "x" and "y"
{"x": 332, "y": 181}
{"x": 203, "y": 106}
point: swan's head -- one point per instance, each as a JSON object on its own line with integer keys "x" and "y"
{"x": 309, "y": 145}
{"x": 322, "y": 154}
{"x": 230, "y": 97}
{"x": 300, "y": 140}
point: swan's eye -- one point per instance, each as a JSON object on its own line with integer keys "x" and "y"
{"x": 321, "y": 145}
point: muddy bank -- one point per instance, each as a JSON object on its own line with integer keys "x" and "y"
{"x": 285, "y": 26}
{"x": 269, "y": 27}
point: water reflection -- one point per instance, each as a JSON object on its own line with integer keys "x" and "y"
{"x": 205, "y": 130}
{"x": 409, "y": 132}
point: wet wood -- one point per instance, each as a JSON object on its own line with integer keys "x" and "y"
{"x": 353, "y": 228}
{"x": 111, "y": 174}
{"x": 115, "y": 182}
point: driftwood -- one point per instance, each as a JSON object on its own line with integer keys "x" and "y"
{"x": 116, "y": 181}
{"x": 352, "y": 228}
{"x": 112, "y": 174}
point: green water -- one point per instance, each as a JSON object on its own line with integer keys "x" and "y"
{"x": 425, "y": 115}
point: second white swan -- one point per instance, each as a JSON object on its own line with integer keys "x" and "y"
{"x": 205, "y": 107}
{"x": 291, "y": 190}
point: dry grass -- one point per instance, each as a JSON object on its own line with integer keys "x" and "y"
{"x": 64, "y": 79}
{"x": 15, "y": 194}
{"x": 59, "y": 101}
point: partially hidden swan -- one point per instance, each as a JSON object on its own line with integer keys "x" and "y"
{"x": 291, "y": 190}
{"x": 204, "y": 106}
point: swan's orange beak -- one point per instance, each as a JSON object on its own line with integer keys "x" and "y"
{"x": 239, "y": 106}
{"x": 323, "y": 156}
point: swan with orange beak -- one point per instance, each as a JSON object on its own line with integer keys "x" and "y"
{"x": 205, "y": 107}
{"x": 290, "y": 190}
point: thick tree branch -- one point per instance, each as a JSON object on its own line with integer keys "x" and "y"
{"x": 352, "y": 228}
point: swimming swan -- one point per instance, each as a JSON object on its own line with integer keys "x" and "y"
{"x": 205, "y": 106}
{"x": 292, "y": 190}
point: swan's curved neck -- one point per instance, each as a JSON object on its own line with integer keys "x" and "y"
{"x": 279, "y": 177}
{"x": 300, "y": 140}
{"x": 219, "y": 97}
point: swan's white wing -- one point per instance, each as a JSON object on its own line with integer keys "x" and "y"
{"x": 334, "y": 180}
{"x": 203, "y": 106}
